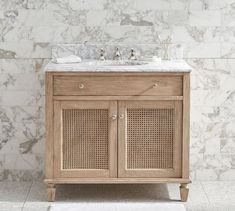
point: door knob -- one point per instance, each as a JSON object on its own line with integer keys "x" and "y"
{"x": 121, "y": 116}
{"x": 114, "y": 116}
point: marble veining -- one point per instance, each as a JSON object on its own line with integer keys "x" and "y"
{"x": 85, "y": 66}
{"x": 92, "y": 50}
{"x": 202, "y": 32}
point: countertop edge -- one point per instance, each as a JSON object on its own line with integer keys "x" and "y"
{"x": 119, "y": 71}
{"x": 171, "y": 66}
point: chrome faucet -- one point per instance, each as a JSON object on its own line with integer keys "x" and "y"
{"x": 133, "y": 56}
{"x": 117, "y": 55}
{"x": 102, "y": 57}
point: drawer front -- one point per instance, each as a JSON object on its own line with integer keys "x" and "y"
{"x": 118, "y": 85}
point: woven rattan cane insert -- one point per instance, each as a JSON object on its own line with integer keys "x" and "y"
{"x": 85, "y": 139}
{"x": 150, "y": 135}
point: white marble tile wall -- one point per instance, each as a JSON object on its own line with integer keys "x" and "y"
{"x": 205, "y": 29}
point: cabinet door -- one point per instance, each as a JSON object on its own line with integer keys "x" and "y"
{"x": 85, "y": 139}
{"x": 149, "y": 141}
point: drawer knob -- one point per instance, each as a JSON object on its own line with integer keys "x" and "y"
{"x": 155, "y": 85}
{"x": 114, "y": 116}
{"x": 121, "y": 116}
{"x": 81, "y": 86}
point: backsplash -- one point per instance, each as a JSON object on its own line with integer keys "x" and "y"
{"x": 200, "y": 31}
{"x": 142, "y": 51}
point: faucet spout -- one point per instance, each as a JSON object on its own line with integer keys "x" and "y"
{"x": 117, "y": 55}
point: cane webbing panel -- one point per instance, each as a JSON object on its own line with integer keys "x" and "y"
{"x": 85, "y": 139}
{"x": 150, "y": 134}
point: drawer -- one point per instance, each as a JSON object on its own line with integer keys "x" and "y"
{"x": 118, "y": 85}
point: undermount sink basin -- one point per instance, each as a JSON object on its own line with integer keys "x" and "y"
{"x": 116, "y": 63}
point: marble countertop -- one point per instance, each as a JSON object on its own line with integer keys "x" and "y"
{"x": 89, "y": 66}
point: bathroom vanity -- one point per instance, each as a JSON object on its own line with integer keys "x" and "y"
{"x": 117, "y": 124}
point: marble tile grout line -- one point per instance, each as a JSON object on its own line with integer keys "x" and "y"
{"x": 205, "y": 193}
{"x": 27, "y": 195}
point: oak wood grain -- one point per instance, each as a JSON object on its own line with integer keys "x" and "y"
{"x": 103, "y": 86}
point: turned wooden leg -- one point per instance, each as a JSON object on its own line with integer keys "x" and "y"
{"x": 51, "y": 192}
{"x": 184, "y": 192}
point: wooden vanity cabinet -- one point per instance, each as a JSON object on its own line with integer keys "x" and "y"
{"x": 117, "y": 128}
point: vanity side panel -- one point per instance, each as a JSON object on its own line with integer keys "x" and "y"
{"x": 49, "y": 162}
{"x": 186, "y": 125}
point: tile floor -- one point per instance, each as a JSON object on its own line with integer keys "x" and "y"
{"x": 31, "y": 196}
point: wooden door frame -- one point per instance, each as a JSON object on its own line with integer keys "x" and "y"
{"x": 86, "y": 173}
{"x": 176, "y": 172}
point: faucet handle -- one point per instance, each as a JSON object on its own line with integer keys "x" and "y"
{"x": 102, "y": 57}
{"x": 133, "y": 56}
